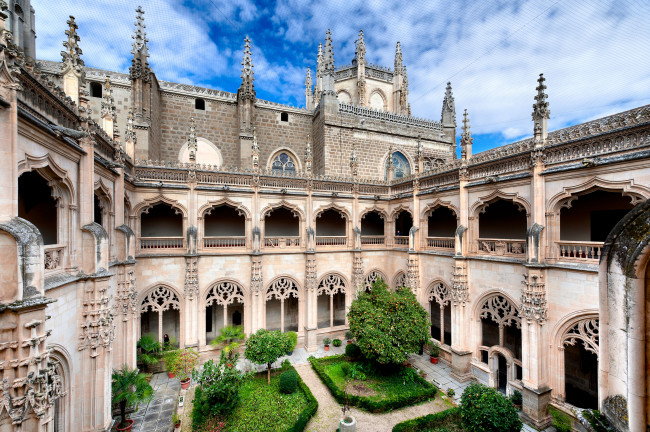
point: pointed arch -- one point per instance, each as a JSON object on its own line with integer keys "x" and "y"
{"x": 284, "y": 203}
{"x": 282, "y": 287}
{"x": 105, "y": 191}
{"x": 498, "y": 306}
{"x": 400, "y": 280}
{"x": 276, "y": 154}
{"x": 397, "y": 210}
{"x": 206, "y": 208}
{"x": 627, "y": 188}
{"x": 333, "y": 206}
{"x": 439, "y": 289}
{"x": 224, "y": 291}
{"x": 383, "y": 213}
{"x": 382, "y": 95}
{"x": 56, "y": 176}
{"x": 148, "y": 203}
{"x": 332, "y": 283}
{"x": 481, "y": 204}
{"x": 371, "y": 276}
{"x": 159, "y": 297}
{"x": 439, "y": 203}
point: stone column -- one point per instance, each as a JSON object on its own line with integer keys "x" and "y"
{"x": 257, "y": 293}
{"x": 191, "y": 294}
{"x": 311, "y": 324}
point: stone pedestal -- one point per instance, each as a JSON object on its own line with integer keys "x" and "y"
{"x": 535, "y": 407}
{"x": 461, "y": 365}
{"x": 311, "y": 343}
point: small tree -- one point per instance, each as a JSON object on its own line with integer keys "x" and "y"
{"x": 230, "y": 339}
{"x": 186, "y": 362}
{"x": 387, "y": 324}
{"x": 148, "y": 350}
{"x": 128, "y": 387}
{"x": 265, "y": 347}
{"x": 483, "y": 409}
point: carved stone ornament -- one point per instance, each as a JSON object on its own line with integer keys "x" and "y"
{"x": 440, "y": 293}
{"x": 585, "y": 331}
{"x": 191, "y": 287}
{"x": 533, "y": 299}
{"x": 331, "y": 284}
{"x": 281, "y": 289}
{"x": 160, "y": 299}
{"x": 501, "y": 311}
{"x": 225, "y": 293}
{"x": 460, "y": 287}
{"x": 372, "y": 278}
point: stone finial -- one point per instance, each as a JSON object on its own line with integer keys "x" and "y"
{"x": 319, "y": 61}
{"x": 466, "y": 139}
{"x": 354, "y": 161}
{"x": 308, "y": 82}
{"x": 308, "y": 156}
{"x": 191, "y": 140}
{"x": 309, "y": 98}
{"x": 108, "y": 102}
{"x": 129, "y": 133}
{"x": 398, "y": 59}
{"x": 255, "y": 151}
{"x": 328, "y": 55}
{"x": 247, "y": 88}
{"x": 448, "y": 108}
{"x": 390, "y": 164}
{"x": 72, "y": 54}
{"x": 360, "y": 52}
{"x": 541, "y": 113}
{"x": 139, "y": 64}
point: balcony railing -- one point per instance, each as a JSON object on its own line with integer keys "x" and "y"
{"x": 579, "y": 251}
{"x": 502, "y": 247}
{"x": 224, "y": 242}
{"x": 372, "y": 240}
{"x": 281, "y": 242}
{"x": 402, "y": 240}
{"x": 54, "y": 257}
{"x": 447, "y": 243}
{"x": 331, "y": 240}
{"x": 162, "y": 243}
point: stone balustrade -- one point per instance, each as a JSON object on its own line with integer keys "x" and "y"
{"x": 162, "y": 243}
{"x": 224, "y": 242}
{"x": 584, "y": 251}
{"x": 447, "y": 243}
{"x": 502, "y": 247}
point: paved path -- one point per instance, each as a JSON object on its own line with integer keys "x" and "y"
{"x": 156, "y": 416}
{"x": 329, "y": 411}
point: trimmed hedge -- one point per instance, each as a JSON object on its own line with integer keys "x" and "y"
{"x": 288, "y": 381}
{"x": 427, "y": 421}
{"x": 365, "y": 403}
{"x": 309, "y": 411}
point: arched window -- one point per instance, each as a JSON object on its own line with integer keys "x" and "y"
{"x": 331, "y": 301}
{"x": 160, "y": 313}
{"x": 283, "y": 164}
{"x": 36, "y": 204}
{"x": 377, "y": 101}
{"x": 440, "y": 309}
{"x": 282, "y": 305}
{"x": 224, "y": 305}
{"x": 401, "y": 166}
{"x": 400, "y": 280}
{"x": 372, "y": 277}
{"x": 580, "y": 344}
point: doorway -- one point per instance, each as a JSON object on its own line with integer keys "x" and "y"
{"x": 502, "y": 374}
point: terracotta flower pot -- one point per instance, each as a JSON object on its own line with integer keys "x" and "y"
{"x": 349, "y": 342}
{"x": 185, "y": 384}
{"x": 171, "y": 374}
{"x": 327, "y": 347}
{"x": 177, "y": 425}
{"x": 129, "y": 424}
{"x": 434, "y": 360}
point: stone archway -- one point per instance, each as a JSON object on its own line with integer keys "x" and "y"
{"x": 224, "y": 305}
{"x": 282, "y": 306}
{"x": 160, "y": 313}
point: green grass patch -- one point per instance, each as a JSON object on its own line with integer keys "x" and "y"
{"x": 445, "y": 421}
{"x": 265, "y": 408}
{"x": 380, "y": 391}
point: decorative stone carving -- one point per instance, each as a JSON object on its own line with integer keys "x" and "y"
{"x": 256, "y": 275}
{"x": 225, "y": 293}
{"x": 372, "y": 278}
{"x": 331, "y": 284}
{"x": 357, "y": 273}
{"x": 97, "y": 328}
{"x": 72, "y": 54}
{"x": 281, "y": 289}
{"x": 413, "y": 276}
{"x": 400, "y": 280}
{"x": 501, "y": 311}
{"x": 247, "y": 88}
{"x": 160, "y": 299}
{"x": 460, "y": 286}
{"x": 125, "y": 301}
{"x": 139, "y": 64}
{"x": 191, "y": 286}
{"x": 533, "y": 299}
{"x": 440, "y": 293}
{"x": 585, "y": 331}
{"x": 310, "y": 274}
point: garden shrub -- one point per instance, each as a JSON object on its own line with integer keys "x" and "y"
{"x": 561, "y": 421}
{"x": 483, "y": 409}
{"x": 388, "y": 325}
{"x": 346, "y": 368}
{"x": 337, "y": 342}
{"x": 428, "y": 422}
{"x": 288, "y": 381}
{"x": 357, "y": 371}
{"x": 353, "y": 351}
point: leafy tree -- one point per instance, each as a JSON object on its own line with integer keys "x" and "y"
{"x": 265, "y": 347}
{"x": 387, "y": 324}
{"x": 129, "y": 387}
{"x": 230, "y": 340}
{"x": 483, "y": 409}
{"x": 220, "y": 385}
{"x": 187, "y": 360}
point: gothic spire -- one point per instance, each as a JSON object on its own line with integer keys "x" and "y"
{"x": 129, "y": 133}
{"x": 540, "y": 107}
{"x": 360, "y": 52}
{"x": 398, "y": 59}
{"x": 72, "y": 54}
{"x": 308, "y": 82}
{"x": 448, "y": 108}
{"x": 308, "y": 156}
{"x": 466, "y": 139}
{"x": 247, "y": 88}
{"x": 191, "y": 141}
{"x": 328, "y": 55}
{"x": 140, "y": 65}
{"x": 319, "y": 61}
{"x": 108, "y": 102}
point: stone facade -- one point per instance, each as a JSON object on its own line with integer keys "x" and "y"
{"x": 266, "y": 240}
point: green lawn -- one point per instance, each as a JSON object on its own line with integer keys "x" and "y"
{"x": 381, "y": 391}
{"x": 264, "y": 408}
{"x": 445, "y": 421}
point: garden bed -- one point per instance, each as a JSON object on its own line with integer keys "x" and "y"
{"x": 380, "y": 391}
{"x": 264, "y": 408}
{"x": 445, "y": 421}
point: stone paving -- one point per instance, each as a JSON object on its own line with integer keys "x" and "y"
{"x": 156, "y": 416}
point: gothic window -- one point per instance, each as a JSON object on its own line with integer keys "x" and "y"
{"x": 580, "y": 346}
{"x": 95, "y": 90}
{"x": 331, "y": 301}
{"x": 432, "y": 163}
{"x": 371, "y": 278}
{"x": 401, "y": 166}
{"x": 501, "y": 324}
{"x": 199, "y": 104}
{"x": 282, "y": 305}
{"x": 400, "y": 280}
{"x": 37, "y": 204}
{"x": 344, "y": 98}
{"x": 377, "y": 101}
{"x": 160, "y": 313}
{"x": 283, "y": 164}
{"x": 440, "y": 309}
{"x": 224, "y": 305}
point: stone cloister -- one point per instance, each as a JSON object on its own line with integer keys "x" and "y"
{"x": 184, "y": 209}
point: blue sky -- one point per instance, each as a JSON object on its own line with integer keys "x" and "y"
{"x": 594, "y": 54}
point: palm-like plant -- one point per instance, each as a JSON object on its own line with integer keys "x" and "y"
{"x": 148, "y": 350}
{"x": 129, "y": 387}
{"x": 230, "y": 339}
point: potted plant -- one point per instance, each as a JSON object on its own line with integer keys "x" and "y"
{"x": 176, "y": 421}
{"x": 187, "y": 361}
{"x": 230, "y": 339}
{"x": 170, "y": 358}
{"x": 451, "y": 392}
{"x": 337, "y": 342}
{"x": 148, "y": 351}
{"x": 423, "y": 374}
{"x": 293, "y": 337}
{"x": 129, "y": 387}
{"x": 516, "y": 399}
{"x": 434, "y": 352}
{"x": 327, "y": 342}
{"x": 349, "y": 336}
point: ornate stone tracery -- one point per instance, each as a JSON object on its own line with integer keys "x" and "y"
{"x": 331, "y": 284}
{"x": 499, "y": 309}
{"x": 225, "y": 293}
{"x": 400, "y": 280}
{"x": 439, "y": 292}
{"x": 533, "y": 299}
{"x": 160, "y": 299}
{"x": 281, "y": 289}
{"x": 371, "y": 278}
{"x": 459, "y": 284}
{"x": 585, "y": 331}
